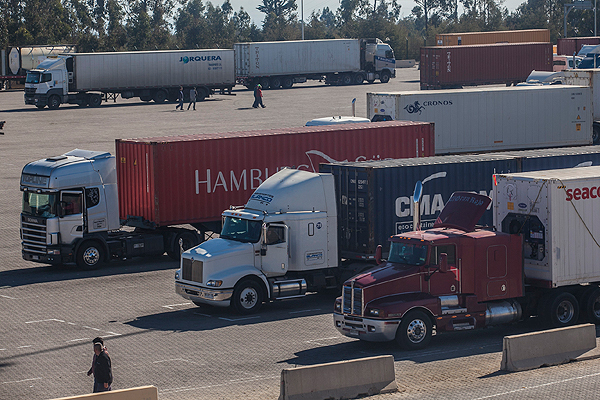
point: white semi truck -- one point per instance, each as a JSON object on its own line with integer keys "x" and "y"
{"x": 336, "y": 61}
{"x": 88, "y": 78}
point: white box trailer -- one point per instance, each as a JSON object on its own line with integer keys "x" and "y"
{"x": 493, "y": 118}
{"x": 556, "y": 212}
{"x": 83, "y": 78}
{"x": 590, "y": 78}
{"x": 345, "y": 61}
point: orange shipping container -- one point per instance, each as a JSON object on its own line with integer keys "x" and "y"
{"x": 470, "y": 38}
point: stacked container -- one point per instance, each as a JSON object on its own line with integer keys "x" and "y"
{"x": 471, "y": 38}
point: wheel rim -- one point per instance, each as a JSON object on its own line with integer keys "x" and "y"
{"x": 248, "y": 298}
{"x": 565, "y": 312}
{"x": 596, "y": 308}
{"x": 91, "y": 256}
{"x": 416, "y": 331}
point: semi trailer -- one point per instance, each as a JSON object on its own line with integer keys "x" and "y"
{"x": 335, "y": 61}
{"x": 539, "y": 261}
{"x": 86, "y": 79}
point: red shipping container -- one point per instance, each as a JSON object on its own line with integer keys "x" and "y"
{"x": 191, "y": 179}
{"x": 568, "y": 46}
{"x": 455, "y": 66}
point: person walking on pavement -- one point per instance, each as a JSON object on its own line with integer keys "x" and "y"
{"x": 102, "y": 370}
{"x": 91, "y": 370}
{"x": 193, "y": 94}
{"x": 258, "y": 97}
{"x": 180, "y": 105}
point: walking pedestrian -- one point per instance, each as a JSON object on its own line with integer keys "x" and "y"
{"x": 180, "y": 105}
{"x": 102, "y": 370}
{"x": 258, "y": 97}
{"x": 193, "y": 94}
{"x": 91, "y": 370}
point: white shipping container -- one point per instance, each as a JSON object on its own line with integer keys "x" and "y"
{"x": 497, "y": 118}
{"x": 141, "y": 69}
{"x": 556, "y": 211}
{"x": 586, "y": 77}
{"x": 297, "y": 57}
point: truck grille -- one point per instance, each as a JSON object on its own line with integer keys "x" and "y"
{"x": 33, "y": 234}
{"x": 30, "y": 91}
{"x": 352, "y": 300}
{"x": 191, "y": 270}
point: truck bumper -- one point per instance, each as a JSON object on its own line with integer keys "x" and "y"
{"x": 36, "y": 100}
{"x": 221, "y": 298}
{"x": 371, "y": 330}
{"x": 53, "y": 259}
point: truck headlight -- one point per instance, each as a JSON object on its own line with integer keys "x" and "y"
{"x": 374, "y": 312}
{"x": 214, "y": 283}
{"x": 177, "y": 274}
{"x": 337, "y": 306}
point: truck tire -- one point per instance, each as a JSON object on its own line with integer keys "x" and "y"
{"x": 183, "y": 240}
{"x": 358, "y": 78}
{"x": 201, "y": 94}
{"x": 414, "y": 331}
{"x": 287, "y": 82}
{"x": 247, "y": 296}
{"x": 559, "y": 309}
{"x": 264, "y": 83}
{"x": 346, "y": 79}
{"x": 595, "y": 134}
{"x": 53, "y": 102}
{"x": 275, "y": 82}
{"x": 90, "y": 255}
{"x": 590, "y": 305}
{"x": 95, "y": 100}
{"x": 384, "y": 77}
{"x": 160, "y": 96}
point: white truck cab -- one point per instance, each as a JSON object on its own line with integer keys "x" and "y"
{"x": 282, "y": 244}
{"x": 48, "y": 84}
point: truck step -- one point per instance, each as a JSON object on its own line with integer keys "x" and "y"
{"x": 463, "y": 326}
{"x": 453, "y": 310}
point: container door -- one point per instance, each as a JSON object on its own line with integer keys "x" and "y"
{"x": 71, "y": 220}
{"x": 275, "y": 250}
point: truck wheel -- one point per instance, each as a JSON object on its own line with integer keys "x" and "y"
{"x": 185, "y": 241}
{"x": 358, "y": 78}
{"x": 90, "y": 255}
{"x": 53, "y": 102}
{"x": 264, "y": 83}
{"x": 414, "y": 331}
{"x": 384, "y": 77}
{"x": 95, "y": 100}
{"x": 202, "y": 94}
{"x": 559, "y": 309}
{"x": 275, "y": 82}
{"x": 160, "y": 96}
{"x": 590, "y": 305}
{"x": 346, "y": 79}
{"x": 247, "y": 297}
{"x": 596, "y": 134}
{"x": 287, "y": 82}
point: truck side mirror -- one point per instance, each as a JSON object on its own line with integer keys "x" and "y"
{"x": 263, "y": 240}
{"x": 61, "y": 208}
{"x": 378, "y": 251}
{"x": 443, "y": 262}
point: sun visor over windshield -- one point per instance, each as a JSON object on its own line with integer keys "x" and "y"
{"x": 462, "y": 211}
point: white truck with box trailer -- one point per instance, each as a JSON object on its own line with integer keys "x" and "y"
{"x": 88, "y": 78}
{"x": 492, "y": 119}
{"x": 337, "y": 61}
{"x": 590, "y": 78}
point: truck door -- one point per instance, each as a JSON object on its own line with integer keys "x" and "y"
{"x": 71, "y": 215}
{"x": 275, "y": 249}
{"x": 444, "y": 283}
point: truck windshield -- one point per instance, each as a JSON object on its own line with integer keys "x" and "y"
{"x": 407, "y": 253}
{"x": 33, "y": 77}
{"x": 40, "y": 204}
{"x": 242, "y": 230}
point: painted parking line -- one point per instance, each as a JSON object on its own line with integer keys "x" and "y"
{"x": 176, "y": 359}
{"x": 327, "y": 338}
{"x": 25, "y": 346}
{"x": 172, "y": 306}
{"x": 108, "y": 333}
{"x": 204, "y": 315}
{"x": 188, "y": 388}
{"x": 44, "y": 320}
{"x": 8, "y": 297}
{"x": 304, "y": 311}
{"x": 238, "y": 319}
{"x": 23, "y": 380}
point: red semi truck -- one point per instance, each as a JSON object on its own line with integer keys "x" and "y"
{"x": 540, "y": 260}
{"x": 76, "y": 205}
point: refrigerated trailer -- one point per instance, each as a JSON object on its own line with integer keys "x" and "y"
{"x": 89, "y": 78}
{"x": 336, "y": 61}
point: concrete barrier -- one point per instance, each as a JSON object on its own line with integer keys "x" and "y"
{"x": 342, "y": 379}
{"x": 551, "y": 347}
{"x": 138, "y": 393}
{"x": 405, "y": 63}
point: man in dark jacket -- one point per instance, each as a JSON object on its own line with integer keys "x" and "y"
{"x": 102, "y": 370}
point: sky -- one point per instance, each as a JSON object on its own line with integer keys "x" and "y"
{"x": 310, "y": 5}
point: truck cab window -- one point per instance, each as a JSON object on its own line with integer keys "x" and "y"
{"x": 241, "y": 230}
{"x": 72, "y": 203}
{"x": 407, "y": 253}
{"x": 40, "y": 204}
{"x": 449, "y": 249}
{"x": 275, "y": 235}
{"x": 46, "y": 77}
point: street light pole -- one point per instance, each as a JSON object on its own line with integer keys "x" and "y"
{"x": 302, "y": 16}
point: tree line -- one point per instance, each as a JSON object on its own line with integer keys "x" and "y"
{"x": 121, "y": 25}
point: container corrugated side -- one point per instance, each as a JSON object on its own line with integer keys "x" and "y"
{"x": 568, "y": 46}
{"x": 151, "y": 69}
{"x": 192, "y": 179}
{"x": 564, "y": 250}
{"x": 301, "y": 57}
{"x": 471, "y": 38}
{"x": 374, "y": 198}
{"x": 495, "y": 119}
{"x": 453, "y": 66}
